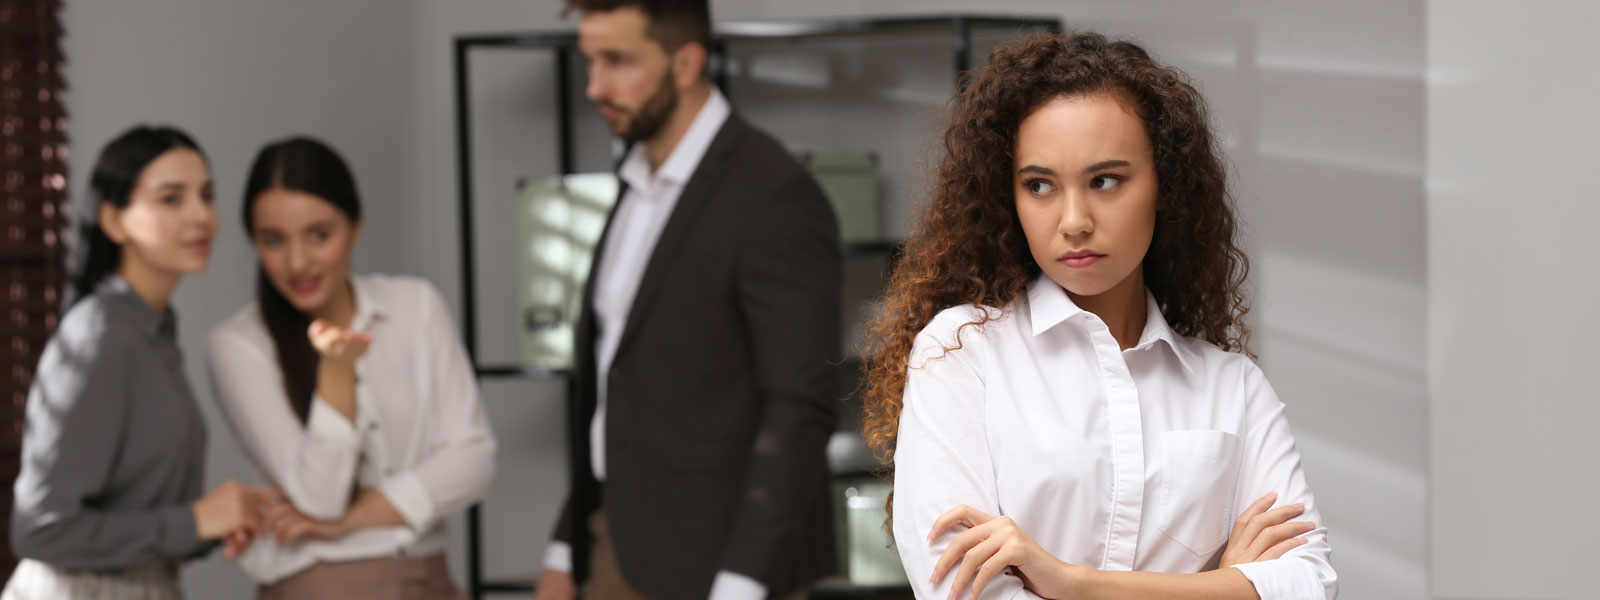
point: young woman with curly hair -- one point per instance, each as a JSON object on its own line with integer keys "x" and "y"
{"x": 1060, "y": 377}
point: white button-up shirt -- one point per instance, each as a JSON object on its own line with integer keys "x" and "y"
{"x": 640, "y": 218}
{"x": 1136, "y": 459}
{"x": 420, "y": 435}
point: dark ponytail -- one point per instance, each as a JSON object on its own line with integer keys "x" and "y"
{"x": 115, "y": 174}
{"x": 308, "y": 166}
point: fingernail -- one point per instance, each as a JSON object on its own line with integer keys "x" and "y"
{"x": 1300, "y": 506}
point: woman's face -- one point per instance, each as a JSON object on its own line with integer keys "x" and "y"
{"x": 304, "y": 243}
{"x": 169, "y": 223}
{"x": 1085, "y": 186}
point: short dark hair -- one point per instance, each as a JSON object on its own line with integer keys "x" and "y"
{"x": 673, "y": 23}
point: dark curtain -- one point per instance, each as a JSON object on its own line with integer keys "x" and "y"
{"x": 33, "y": 206}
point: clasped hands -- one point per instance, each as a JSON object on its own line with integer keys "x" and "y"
{"x": 993, "y": 545}
{"x": 237, "y": 514}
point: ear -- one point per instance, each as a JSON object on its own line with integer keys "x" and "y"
{"x": 355, "y": 233}
{"x": 110, "y": 219}
{"x": 689, "y": 64}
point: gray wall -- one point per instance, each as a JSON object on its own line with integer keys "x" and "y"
{"x": 1512, "y": 282}
{"x": 1325, "y": 135}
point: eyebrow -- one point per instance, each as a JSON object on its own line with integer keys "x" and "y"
{"x": 178, "y": 185}
{"x": 1107, "y": 164}
{"x": 1094, "y": 168}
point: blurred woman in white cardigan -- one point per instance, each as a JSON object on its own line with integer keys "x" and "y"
{"x": 352, "y": 394}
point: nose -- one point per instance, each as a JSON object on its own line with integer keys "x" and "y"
{"x": 297, "y": 257}
{"x": 200, "y": 211}
{"x": 1076, "y": 220}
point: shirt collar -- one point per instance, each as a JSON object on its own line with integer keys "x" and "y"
{"x": 1049, "y": 306}
{"x": 369, "y": 307}
{"x": 154, "y": 325}
{"x": 686, "y": 156}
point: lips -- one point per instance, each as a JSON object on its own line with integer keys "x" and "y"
{"x": 1080, "y": 258}
{"x": 302, "y": 286}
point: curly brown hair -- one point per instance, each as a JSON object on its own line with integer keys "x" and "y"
{"x": 967, "y": 246}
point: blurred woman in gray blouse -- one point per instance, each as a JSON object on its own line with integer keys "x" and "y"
{"x": 108, "y": 502}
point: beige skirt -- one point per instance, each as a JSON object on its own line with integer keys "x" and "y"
{"x": 34, "y": 580}
{"x": 396, "y": 578}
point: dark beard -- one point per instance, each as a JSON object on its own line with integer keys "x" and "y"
{"x": 655, "y": 112}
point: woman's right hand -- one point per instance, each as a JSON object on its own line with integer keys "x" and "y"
{"x": 229, "y": 508}
{"x": 336, "y": 343}
{"x": 1260, "y": 534}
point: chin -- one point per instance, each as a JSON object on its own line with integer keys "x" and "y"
{"x": 1082, "y": 286}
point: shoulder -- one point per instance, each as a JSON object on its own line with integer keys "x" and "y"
{"x": 767, "y": 158}
{"x": 90, "y": 321}
{"x": 961, "y": 330}
{"x": 407, "y": 297}
{"x": 1224, "y": 369}
{"x": 399, "y": 289}
{"x": 243, "y": 329}
{"x": 90, "y": 335}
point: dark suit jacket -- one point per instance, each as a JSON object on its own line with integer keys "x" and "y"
{"x": 721, "y": 397}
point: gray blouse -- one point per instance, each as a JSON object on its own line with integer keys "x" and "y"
{"x": 114, "y": 451}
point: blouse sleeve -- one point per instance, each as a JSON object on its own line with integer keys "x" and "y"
{"x": 460, "y": 458}
{"x": 942, "y": 456}
{"x": 314, "y": 463}
{"x": 1271, "y": 463}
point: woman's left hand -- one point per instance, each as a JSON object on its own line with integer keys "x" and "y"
{"x": 287, "y": 525}
{"x": 990, "y": 546}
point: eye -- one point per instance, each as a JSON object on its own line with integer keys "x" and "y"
{"x": 271, "y": 240}
{"x": 1105, "y": 182}
{"x": 318, "y": 236}
{"x": 1039, "y": 187}
{"x": 209, "y": 196}
{"x": 172, "y": 200}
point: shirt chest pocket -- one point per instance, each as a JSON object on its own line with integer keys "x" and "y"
{"x": 1202, "y": 468}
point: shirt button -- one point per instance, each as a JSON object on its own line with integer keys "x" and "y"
{"x": 388, "y": 472}
{"x": 372, "y": 426}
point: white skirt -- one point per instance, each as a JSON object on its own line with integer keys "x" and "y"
{"x": 34, "y": 580}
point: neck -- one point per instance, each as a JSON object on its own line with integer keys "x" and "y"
{"x": 689, "y": 104}
{"x": 1121, "y": 307}
{"x": 152, "y": 285}
{"x": 341, "y": 308}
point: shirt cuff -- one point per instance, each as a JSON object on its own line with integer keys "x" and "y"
{"x": 1284, "y": 579}
{"x": 406, "y": 493}
{"x": 180, "y": 534}
{"x": 736, "y": 586}
{"x": 558, "y": 557}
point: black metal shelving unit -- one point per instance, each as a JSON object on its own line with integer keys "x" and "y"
{"x": 564, "y": 44}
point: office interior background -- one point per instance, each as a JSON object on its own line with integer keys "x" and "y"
{"x": 1414, "y": 176}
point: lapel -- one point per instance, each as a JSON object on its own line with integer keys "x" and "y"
{"x": 583, "y": 359}
{"x": 696, "y": 194}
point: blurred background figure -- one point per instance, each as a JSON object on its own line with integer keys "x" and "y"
{"x": 351, "y": 393}
{"x": 109, "y": 503}
{"x": 703, "y": 395}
